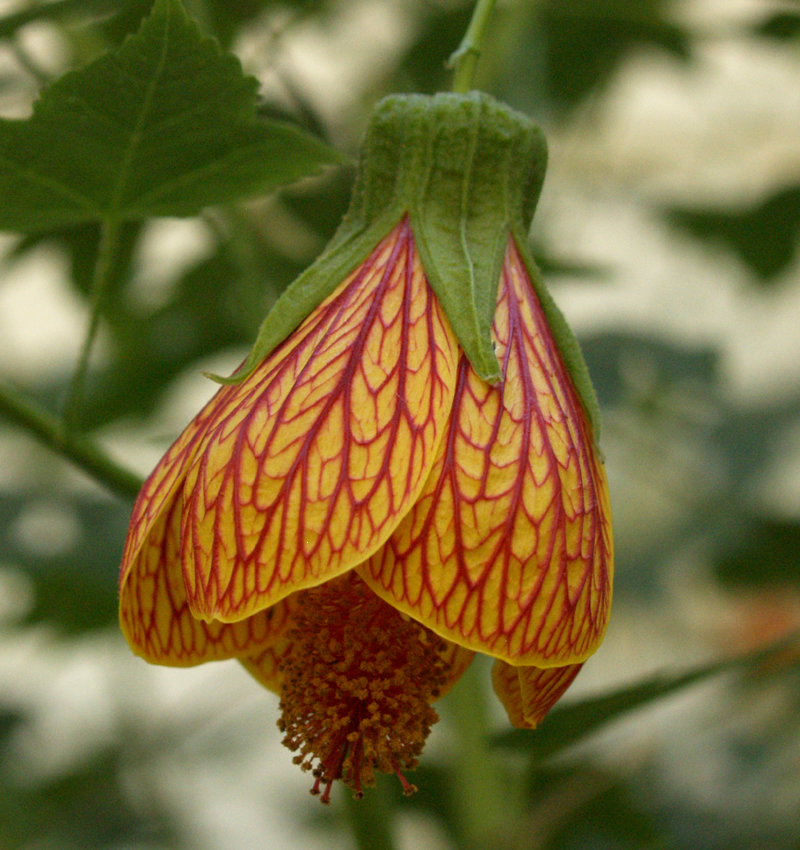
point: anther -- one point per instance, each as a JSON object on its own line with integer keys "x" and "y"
{"x": 358, "y": 681}
{"x": 408, "y": 788}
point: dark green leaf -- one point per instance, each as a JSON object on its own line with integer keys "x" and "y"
{"x": 440, "y": 31}
{"x": 552, "y": 266}
{"x": 88, "y": 806}
{"x": 764, "y": 235}
{"x": 613, "y": 357}
{"x": 322, "y": 206}
{"x": 768, "y": 554}
{"x": 585, "y": 41}
{"x": 80, "y": 244}
{"x": 607, "y": 815}
{"x": 9, "y": 721}
{"x": 126, "y": 21}
{"x": 74, "y": 589}
{"x": 781, "y": 26}
{"x": 202, "y": 318}
{"x": 165, "y": 125}
{"x": 569, "y": 724}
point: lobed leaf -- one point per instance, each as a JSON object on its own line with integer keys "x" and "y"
{"x": 164, "y": 125}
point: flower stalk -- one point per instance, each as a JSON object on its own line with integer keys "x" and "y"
{"x": 101, "y": 278}
{"x": 465, "y": 58}
{"x": 477, "y": 775}
{"x": 371, "y": 819}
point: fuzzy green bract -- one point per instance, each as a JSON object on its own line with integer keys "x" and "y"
{"x": 467, "y": 171}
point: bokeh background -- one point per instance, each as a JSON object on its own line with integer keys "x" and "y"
{"x": 668, "y": 231}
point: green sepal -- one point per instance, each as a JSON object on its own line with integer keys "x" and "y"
{"x": 463, "y": 168}
{"x": 467, "y": 171}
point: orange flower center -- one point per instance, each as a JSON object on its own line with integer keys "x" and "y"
{"x": 358, "y": 681}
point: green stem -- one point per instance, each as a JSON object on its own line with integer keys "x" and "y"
{"x": 103, "y": 273}
{"x": 28, "y": 414}
{"x": 371, "y": 818}
{"x": 482, "y": 802}
{"x": 465, "y": 58}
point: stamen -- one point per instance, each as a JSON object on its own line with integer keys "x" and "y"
{"x": 358, "y": 681}
{"x": 408, "y": 788}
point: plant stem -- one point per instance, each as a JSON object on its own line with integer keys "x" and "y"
{"x": 371, "y": 818}
{"x": 482, "y": 803}
{"x": 37, "y": 420}
{"x": 465, "y": 58}
{"x": 103, "y": 272}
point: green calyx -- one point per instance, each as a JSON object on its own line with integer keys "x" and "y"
{"x": 467, "y": 171}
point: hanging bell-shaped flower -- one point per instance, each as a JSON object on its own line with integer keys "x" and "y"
{"x": 404, "y": 471}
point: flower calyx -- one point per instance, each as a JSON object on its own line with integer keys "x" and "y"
{"x": 467, "y": 171}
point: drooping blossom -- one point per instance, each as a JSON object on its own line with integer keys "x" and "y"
{"x": 361, "y": 510}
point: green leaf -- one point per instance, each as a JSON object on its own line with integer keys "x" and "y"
{"x": 764, "y": 235}
{"x": 164, "y": 125}
{"x": 765, "y": 552}
{"x": 586, "y": 41}
{"x": 780, "y": 26}
{"x": 671, "y": 367}
{"x": 84, "y": 804}
{"x": 569, "y": 724}
{"x": 75, "y": 588}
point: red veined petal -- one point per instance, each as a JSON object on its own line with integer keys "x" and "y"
{"x": 313, "y": 460}
{"x": 528, "y": 693}
{"x": 155, "y": 615}
{"x": 264, "y": 666}
{"x": 158, "y": 492}
{"x": 508, "y": 549}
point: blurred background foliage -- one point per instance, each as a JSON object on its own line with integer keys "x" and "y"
{"x": 669, "y": 233}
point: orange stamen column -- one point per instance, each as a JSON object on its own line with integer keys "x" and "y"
{"x": 358, "y": 681}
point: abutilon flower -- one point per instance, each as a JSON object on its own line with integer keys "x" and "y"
{"x": 403, "y": 472}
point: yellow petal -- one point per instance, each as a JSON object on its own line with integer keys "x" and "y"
{"x": 154, "y": 612}
{"x": 264, "y": 666}
{"x": 310, "y": 463}
{"x": 508, "y": 549}
{"x": 158, "y": 493}
{"x": 528, "y": 693}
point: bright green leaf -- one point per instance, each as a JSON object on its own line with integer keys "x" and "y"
{"x": 165, "y": 125}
